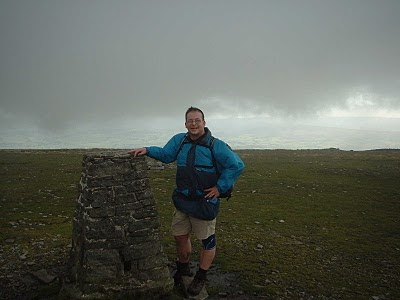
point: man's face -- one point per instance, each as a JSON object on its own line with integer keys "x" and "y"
{"x": 195, "y": 124}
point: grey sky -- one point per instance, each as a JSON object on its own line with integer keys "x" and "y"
{"x": 66, "y": 61}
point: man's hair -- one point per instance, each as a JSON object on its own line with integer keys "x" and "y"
{"x": 191, "y": 109}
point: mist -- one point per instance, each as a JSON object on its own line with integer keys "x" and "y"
{"x": 73, "y": 65}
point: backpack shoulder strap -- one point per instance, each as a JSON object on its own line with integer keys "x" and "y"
{"x": 210, "y": 146}
{"x": 214, "y": 161}
{"x": 181, "y": 145}
{"x": 212, "y": 140}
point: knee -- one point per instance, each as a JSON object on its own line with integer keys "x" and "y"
{"x": 209, "y": 243}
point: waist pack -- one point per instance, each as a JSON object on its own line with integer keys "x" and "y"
{"x": 196, "y": 206}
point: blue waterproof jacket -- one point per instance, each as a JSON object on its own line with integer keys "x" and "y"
{"x": 195, "y": 169}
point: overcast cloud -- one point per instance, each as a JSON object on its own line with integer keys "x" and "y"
{"x": 72, "y": 62}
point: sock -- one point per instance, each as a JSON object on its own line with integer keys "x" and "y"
{"x": 182, "y": 265}
{"x": 201, "y": 273}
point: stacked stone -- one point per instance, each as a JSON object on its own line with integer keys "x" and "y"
{"x": 116, "y": 251}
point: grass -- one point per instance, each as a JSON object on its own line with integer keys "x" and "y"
{"x": 305, "y": 223}
{"x": 37, "y": 195}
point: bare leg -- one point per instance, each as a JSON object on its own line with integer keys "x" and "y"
{"x": 206, "y": 258}
{"x": 183, "y": 247}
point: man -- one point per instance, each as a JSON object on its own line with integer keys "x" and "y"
{"x": 206, "y": 169}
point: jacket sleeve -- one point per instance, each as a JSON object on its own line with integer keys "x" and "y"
{"x": 229, "y": 165}
{"x": 168, "y": 153}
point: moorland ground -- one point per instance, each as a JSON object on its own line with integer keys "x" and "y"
{"x": 311, "y": 224}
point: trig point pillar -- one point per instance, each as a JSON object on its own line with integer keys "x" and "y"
{"x": 116, "y": 248}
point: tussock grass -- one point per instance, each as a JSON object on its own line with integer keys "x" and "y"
{"x": 305, "y": 223}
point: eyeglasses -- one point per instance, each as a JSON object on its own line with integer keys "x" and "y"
{"x": 196, "y": 121}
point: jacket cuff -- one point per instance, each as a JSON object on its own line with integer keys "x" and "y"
{"x": 219, "y": 189}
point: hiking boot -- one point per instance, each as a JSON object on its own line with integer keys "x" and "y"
{"x": 182, "y": 270}
{"x": 197, "y": 285}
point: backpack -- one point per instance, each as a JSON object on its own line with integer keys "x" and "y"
{"x": 228, "y": 193}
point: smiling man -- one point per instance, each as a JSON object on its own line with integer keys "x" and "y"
{"x": 207, "y": 168}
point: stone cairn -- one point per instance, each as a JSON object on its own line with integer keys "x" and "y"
{"x": 116, "y": 250}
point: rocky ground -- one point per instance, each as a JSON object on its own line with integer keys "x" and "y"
{"x": 26, "y": 276}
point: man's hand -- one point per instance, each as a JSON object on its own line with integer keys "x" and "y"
{"x": 138, "y": 152}
{"x": 212, "y": 192}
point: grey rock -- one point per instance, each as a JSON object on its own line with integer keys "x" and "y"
{"x": 43, "y": 276}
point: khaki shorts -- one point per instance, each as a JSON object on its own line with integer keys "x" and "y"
{"x": 183, "y": 224}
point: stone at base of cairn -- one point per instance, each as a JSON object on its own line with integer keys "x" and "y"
{"x": 186, "y": 282}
